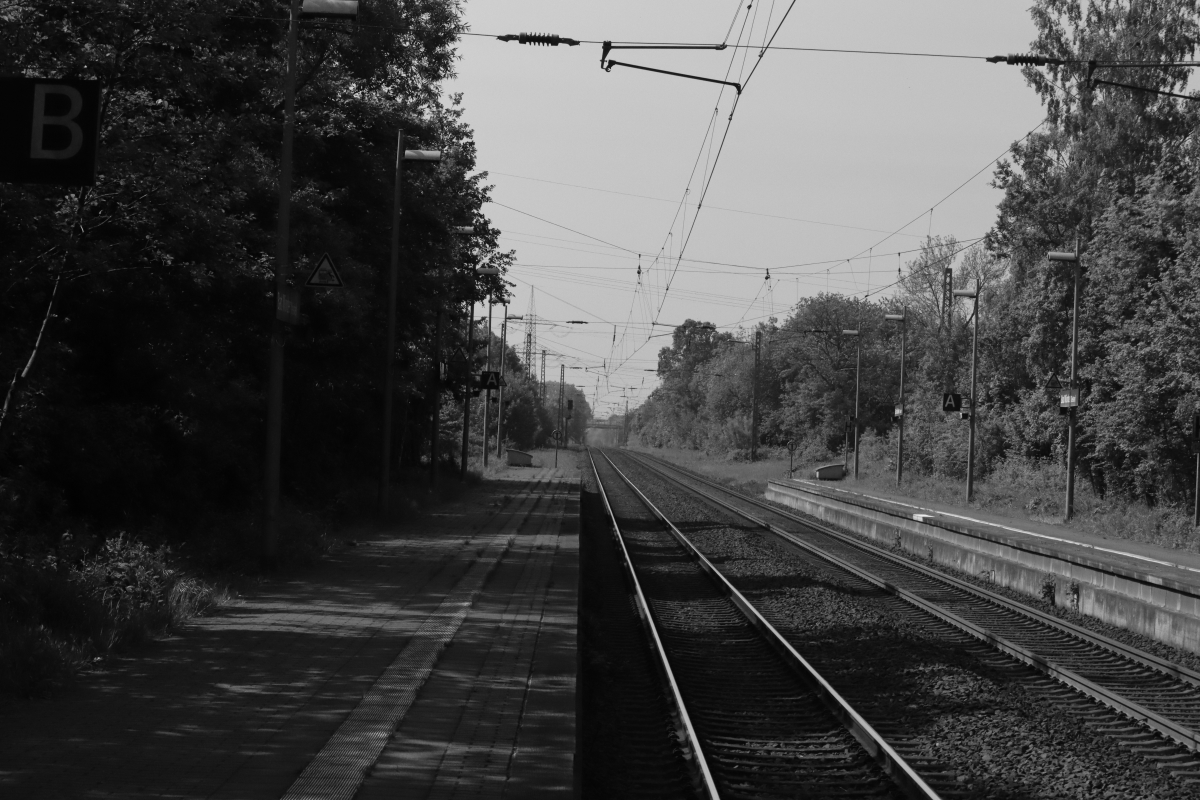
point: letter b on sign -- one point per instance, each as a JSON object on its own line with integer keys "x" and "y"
{"x": 49, "y": 130}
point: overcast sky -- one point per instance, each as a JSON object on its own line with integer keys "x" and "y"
{"x": 827, "y": 155}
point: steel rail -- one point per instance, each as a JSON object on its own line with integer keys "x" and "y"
{"x": 899, "y": 770}
{"x": 703, "y": 775}
{"x": 1185, "y": 736}
{"x": 1150, "y": 660}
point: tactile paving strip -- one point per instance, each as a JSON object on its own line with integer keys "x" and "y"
{"x": 338, "y": 769}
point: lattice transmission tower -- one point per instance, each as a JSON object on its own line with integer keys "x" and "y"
{"x": 530, "y": 338}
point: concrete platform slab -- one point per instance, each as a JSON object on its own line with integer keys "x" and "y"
{"x": 240, "y": 704}
{"x": 1148, "y": 589}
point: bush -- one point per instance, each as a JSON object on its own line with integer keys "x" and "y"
{"x": 63, "y": 609}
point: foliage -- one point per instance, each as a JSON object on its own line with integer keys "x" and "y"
{"x": 64, "y": 607}
{"x": 146, "y": 401}
{"x": 1114, "y": 169}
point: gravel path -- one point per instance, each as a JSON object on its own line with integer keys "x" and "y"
{"x": 1005, "y": 730}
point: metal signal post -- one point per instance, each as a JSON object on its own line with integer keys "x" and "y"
{"x": 901, "y": 318}
{"x": 1072, "y": 386}
{"x": 974, "y": 295}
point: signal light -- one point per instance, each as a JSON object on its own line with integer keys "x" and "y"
{"x": 546, "y": 39}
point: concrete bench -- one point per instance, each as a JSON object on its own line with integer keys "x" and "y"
{"x": 831, "y": 472}
{"x": 518, "y": 459}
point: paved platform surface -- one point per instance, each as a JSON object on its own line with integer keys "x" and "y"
{"x": 460, "y": 629}
{"x": 1165, "y": 566}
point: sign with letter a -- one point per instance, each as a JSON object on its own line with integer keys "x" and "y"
{"x": 49, "y": 131}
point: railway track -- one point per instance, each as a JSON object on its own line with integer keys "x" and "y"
{"x": 755, "y": 718}
{"x": 1155, "y": 698}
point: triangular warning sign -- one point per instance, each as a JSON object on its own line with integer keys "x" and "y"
{"x": 325, "y": 276}
{"x": 1053, "y": 384}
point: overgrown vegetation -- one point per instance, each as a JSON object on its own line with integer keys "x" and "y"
{"x": 64, "y": 607}
{"x": 1119, "y": 169}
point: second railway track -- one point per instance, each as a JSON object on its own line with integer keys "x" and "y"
{"x": 1154, "y": 691}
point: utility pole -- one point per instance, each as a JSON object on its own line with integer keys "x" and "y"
{"x": 902, "y": 319}
{"x": 487, "y": 395}
{"x": 389, "y": 377}
{"x": 466, "y": 436}
{"x": 270, "y": 542}
{"x": 500, "y": 399}
{"x": 389, "y": 370}
{"x": 543, "y": 378}
{"x": 1196, "y": 446}
{"x": 974, "y": 295}
{"x": 854, "y": 419}
{"x": 626, "y": 424}
{"x": 562, "y": 378}
{"x": 1072, "y": 385}
{"x": 435, "y": 421}
{"x": 754, "y": 402}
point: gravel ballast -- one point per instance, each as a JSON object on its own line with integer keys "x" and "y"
{"x": 998, "y": 728}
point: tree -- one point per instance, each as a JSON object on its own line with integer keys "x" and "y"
{"x": 147, "y": 397}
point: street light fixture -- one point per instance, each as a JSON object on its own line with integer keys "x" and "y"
{"x": 1070, "y": 399}
{"x": 503, "y": 353}
{"x": 469, "y": 230}
{"x": 901, "y": 318}
{"x": 385, "y": 454}
{"x": 287, "y": 307}
{"x": 857, "y": 375}
{"x": 974, "y": 295}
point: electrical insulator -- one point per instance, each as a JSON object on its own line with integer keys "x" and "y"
{"x": 768, "y": 276}
{"x": 547, "y": 39}
{"x": 1025, "y": 59}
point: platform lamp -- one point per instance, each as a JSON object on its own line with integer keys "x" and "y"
{"x": 974, "y": 295}
{"x": 899, "y": 411}
{"x": 385, "y": 455}
{"x": 287, "y": 307}
{"x": 468, "y": 230}
{"x": 1070, "y": 397}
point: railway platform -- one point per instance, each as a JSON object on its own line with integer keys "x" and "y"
{"x": 435, "y": 659}
{"x": 1146, "y": 588}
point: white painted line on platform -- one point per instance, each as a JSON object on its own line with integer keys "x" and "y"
{"x": 932, "y": 513}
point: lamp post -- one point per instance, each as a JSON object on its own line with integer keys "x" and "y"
{"x": 754, "y": 400}
{"x": 503, "y": 351}
{"x": 562, "y": 378}
{"x": 389, "y": 371}
{"x": 974, "y": 295}
{"x": 1072, "y": 397}
{"x": 500, "y": 368}
{"x": 466, "y": 431}
{"x": 487, "y": 393}
{"x": 467, "y": 416}
{"x": 900, "y": 405}
{"x": 857, "y": 376}
{"x": 286, "y": 305}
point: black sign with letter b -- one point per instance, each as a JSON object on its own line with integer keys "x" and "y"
{"x": 49, "y": 130}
